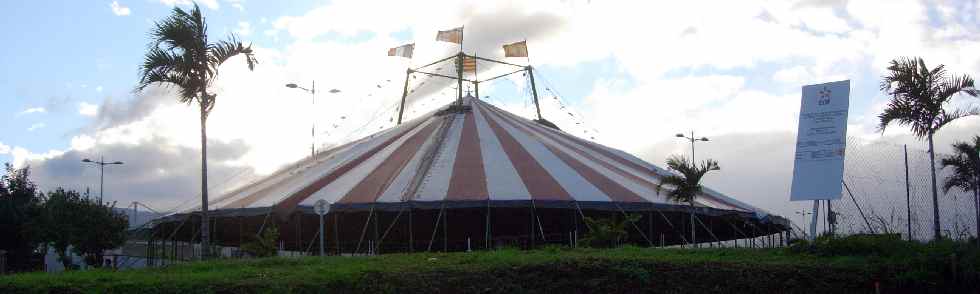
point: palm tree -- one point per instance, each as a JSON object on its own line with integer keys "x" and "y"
{"x": 965, "y": 162}
{"x": 180, "y": 56}
{"x": 685, "y": 185}
{"x": 918, "y": 97}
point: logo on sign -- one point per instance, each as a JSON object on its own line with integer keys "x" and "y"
{"x": 824, "y": 97}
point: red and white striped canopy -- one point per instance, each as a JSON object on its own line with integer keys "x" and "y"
{"x": 481, "y": 154}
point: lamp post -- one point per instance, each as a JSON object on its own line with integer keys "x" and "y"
{"x": 803, "y": 214}
{"x": 102, "y": 165}
{"x": 312, "y": 91}
{"x": 692, "y": 139}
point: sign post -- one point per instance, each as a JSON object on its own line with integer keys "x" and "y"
{"x": 321, "y": 207}
{"x": 818, "y": 168}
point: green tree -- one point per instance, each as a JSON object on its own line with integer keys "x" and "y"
{"x": 181, "y": 56}
{"x": 19, "y": 209}
{"x": 919, "y": 96}
{"x": 61, "y": 211}
{"x": 102, "y": 228}
{"x": 965, "y": 162}
{"x": 70, "y": 221}
{"x": 685, "y": 184}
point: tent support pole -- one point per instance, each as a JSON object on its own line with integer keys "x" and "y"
{"x": 445, "y": 232}
{"x": 364, "y": 230}
{"x": 488, "y": 239}
{"x": 679, "y": 234}
{"x": 336, "y": 232}
{"x": 634, "y": 224}
{"x": 411, "y": 228}
{"x": 706, "y": 228}
{"x": 392, "y": 225}
{"x": 435, "y": 228}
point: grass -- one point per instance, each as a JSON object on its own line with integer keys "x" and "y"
{"x": 548, "y": 270}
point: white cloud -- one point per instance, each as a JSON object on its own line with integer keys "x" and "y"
{"x": 22, "y": 156}
{"x": 722, "y": 71}
{"x": 118, "y": 9}
{"x": 33, "y": 110}
{"x": 237, "y": 4}
{"x": 88, "y": 109}
{"x": 244, "y": 29}
{"x": 4, "y": 149}
{"x": 35, "y": 127}
{"x": 212, "y": 4}
{"x": 98, "y": 89}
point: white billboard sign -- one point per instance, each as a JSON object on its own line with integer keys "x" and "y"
{"x": 820, "y": 142}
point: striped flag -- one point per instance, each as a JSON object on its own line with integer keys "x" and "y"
{"x": 518, "y": 49}
{"x": 469, "y": 64}
{"x": 402, "y": 51}
{"x": 452, "y": 36}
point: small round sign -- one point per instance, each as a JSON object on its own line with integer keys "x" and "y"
{"x": 321, "y": 207}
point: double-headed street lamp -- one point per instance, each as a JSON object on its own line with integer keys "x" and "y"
{"x": 692, "y": 139}
{"x": 312, "y": 91}
{"x": 102, "y": 165}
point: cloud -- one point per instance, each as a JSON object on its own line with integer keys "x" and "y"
{"x": 98, "y": 89}
{"x": 212, "y": 4}
{"x": 156, "y": 172}
{"x": 119, "y": 10}
{"x": 237, "y": 4}
{"x": 4, "y": 149}
{"x": 33, "y": 110}
{"x": 87, "y": 109}
{"x": 35, "y": 127}
{"x": 244, "y": 29}
{"x": 731, "y": 73}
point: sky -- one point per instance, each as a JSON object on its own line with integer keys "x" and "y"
{"x": 628, "y": 74}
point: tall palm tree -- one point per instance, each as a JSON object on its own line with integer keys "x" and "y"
{"x": 918, "y": 99}
{"x": 685, "y": 185}
{"x": 180, "y": 56}
{"x": 965, "y": 162}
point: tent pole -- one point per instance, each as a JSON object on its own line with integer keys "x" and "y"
{"x": 336, "y": 232}
{"x": 392, "y": 225}
{"x": 374, "y": 249}
{"x": 488, "y": 239}
{"x": 706, "y": 228}
{"x": 445, "y": 232}
{"x": 634, "y": 224}
{"x": 534, "y": 91}
{"x": 411, "y": 228}
{"x": 401, "y": 109}
{"x": 435, "y": 228}
{"x": 672, "y": 228}
{"x": 364, "y": 230}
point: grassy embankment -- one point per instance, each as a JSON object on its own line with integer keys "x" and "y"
{"x": 821, "y": 268}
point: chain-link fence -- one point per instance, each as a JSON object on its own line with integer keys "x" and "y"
{"x": 878, "y": 199}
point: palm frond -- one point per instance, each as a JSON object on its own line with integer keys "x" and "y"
{"x": 225, "y": 49}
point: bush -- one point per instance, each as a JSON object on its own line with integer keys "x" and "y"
{"x": 607, "y": 232}
{"x": 263, "y": 245}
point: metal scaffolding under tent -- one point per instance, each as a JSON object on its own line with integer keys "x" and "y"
{"x": 467, "y": 176}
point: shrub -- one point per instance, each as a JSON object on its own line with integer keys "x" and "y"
{"x": 263, "y": 245}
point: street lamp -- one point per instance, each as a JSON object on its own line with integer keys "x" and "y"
{"x": 692, "y": 139}
{"x": 803, "y": 214}
{"x": 312, "y": 91}
{"x": 102, "y": 165}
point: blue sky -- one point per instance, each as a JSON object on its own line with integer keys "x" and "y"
{"x": 732, "y": 72}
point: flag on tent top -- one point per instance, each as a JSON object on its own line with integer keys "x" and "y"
{"x": 518, "y": 49}
{"x": 469, "y": 64}
{"x": 403, "y": 50}
{"x": 452, "y": 36}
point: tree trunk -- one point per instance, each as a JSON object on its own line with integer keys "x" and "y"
{"x": 205, "y": 224}
{"x": 935, "y": 194}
